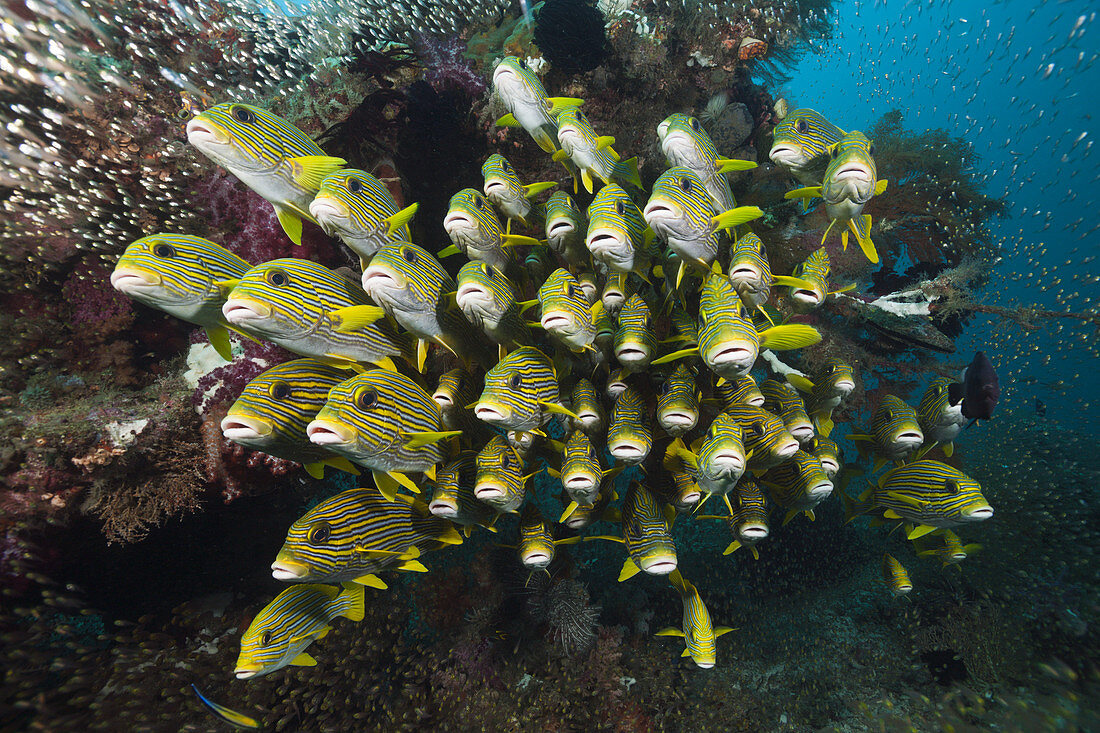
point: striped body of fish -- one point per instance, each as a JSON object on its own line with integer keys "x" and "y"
{"x": 617, "y": 233}
{"x": 536, "y": 541}
{"x": 783, "y": 400}
{"x": 179, "y": 274}
{"x": 699, "y": 633}
{"x": 523, "y": 95}
{"x": 520, "y": 391}
{"x": 456, "y": 389}
{"x": 359, "y": 209}
{"x": 635, "y": 342}
{"x": 825, "y": 393}
{"x": 382, "y": 420}
{"x": 896, "y": 576}
{"x": 678, "y": 402}
{"x": 679, "y": 212}
{"x": 298, "y": 616}
{"x": 356, "y": 534}
{"x": 593, "y": 155}
{"x": 475, "y": 231}
{"x": 291, "y": 302}
{"x": 616, "y": 383}
{"x": 629, "y": 436}
{"x": 720, "y": 458}
{"x": 895, "y": 431}
{"x": 940, "y": 413}
{"x": 588, "y": 408}
{"x": 565, "y": 229}
{"x": 739, "y": 390}
{"x": 750, "y": 516}
{"x": 800, "y": 146}
{"x": 931, "y": 495}
{"x": 828, "y": 455}
{"x": 947, "y": 546}
{"x": 268, "y": 154}
{"x": 512, "y": 198}
{"x": 582, "y": 517}
{"x": 687, "y": 332}
{"x": 749, "y": 271}
{"x": 500, "y": 481}
{"x": 798, "y": 485}
{"x": 581, "y": 470}
{"x": 565, "y": 313}
{"x": 764, "y": 435}
{"x": 809, "y": 283}
{"x": 453, "y": 497}
{"x": 646, "y": 535}
{"x": 273, "y": 410}
{"x": 487, "y": 299}
{"x": 685, "y": 143}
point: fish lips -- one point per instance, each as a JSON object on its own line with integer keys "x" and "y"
{"x": 378, "y": 280}
{"x": 977, "y": 513}
{"x": 630, "y": 451}
{"x": 752, "y": 532}
{"x": 328, "y": 433}
{"x": 443, "y": 508}
{"x": 557, "y": 321}
{"x": 245, "y": 428}
{"x": 681, "y": 420}
{"x": 829, "y": 466}
{"x": 731, "y": 358}
{"x": 744, "y": 275}
{"x": 806, "y": 296}
{"x": 536, "y": 559}
{"x": 787, "y": 155}
{"x": 658, "y": 564}
{"x": 820, "y": 490}
{"x": 560, "y": 228}
{"x": 787, "y": 449}
{"x": 288, "y": 570}
{"x": 661, "y": 213}
{"x": 459, "y": 221}
{"x": 492, "y": 413}
{"x": 633, "y": 354}
{"x": 486, "y": 490}
{"x": 330, "y": 213}
{"x": 579, "y": 482}
{"x": 128, "y": 280}
{"x": 241, "y": 311}
{"x": 606, "y": 243}
{"x": 246, "y": 672}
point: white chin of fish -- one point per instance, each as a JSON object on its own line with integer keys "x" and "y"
{"x": 662, "y": 566}
{"x": 245, "y": 674}
{"x": 237, "y": 312}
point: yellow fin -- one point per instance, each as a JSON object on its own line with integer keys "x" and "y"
{"x": 401, "y": 218}
{"x": 880, "y": 187}
{"x": 385, "y": 362}
{"x": 291, "y": 223}
{"x": 412, "y": 566}
{"x": 793, "y": 282}
{"x": 518, "y": 240}
{"x": 801, "y": 383}
{"x": 733, "y": 217}
{"x": 807, "y": 192}
{"x": 558, "y": 409}
{"x": 429, "y": 473}
{"x": 670, "y": 631}
{"x": 824, "y": 425}
{"x": 219, "y": 339}
{"x": 719, "y": 630}
{"x": 372, "y": 580}
{"x": 733, "y": 547}
{"x": 891, "y": 514}
{"x": 789, "y": 336}
{"x": 309, "y": 170}
{"x": 421, "y": 354}
{"x": 226, "y": 286}
{"x": 404, "y": 480}
{"x": 920, "y": 531}
{"x": 685, "y": 653}
{"x": 725, "y": 165}
{"x": 304, "y": 660}
{"x": 559, "y": 156}
{"x": 568, "y": 511}
{"x": 586, "y": 179}
{"x": 630, "y": 569}
{"x": 341, "y": 464}
{"x": 948, "y": 449}
{"x": 678, "y": 355}
{"x": 508, "y": 120}
{"x": 533, "y": 189}
{"x": 604, "y": 141}
{"x": 353, "y": 317}
{"x": 386, "y": 485}
{"x": 448, "y": 251}
{"x": 315, "y": 470}
{"x": 862, "y": 230}
{"x": 427, "y": 437}
{"x": 354, "y": 592}
{"x": 560, "y": 104}
{"x": 449, "y": 536}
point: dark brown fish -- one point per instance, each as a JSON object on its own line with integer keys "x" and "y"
{"x": 980, "y": 389}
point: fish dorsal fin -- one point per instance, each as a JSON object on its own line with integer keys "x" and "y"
{"x": 309, "y": 170}
{"x": 354, "y": 317}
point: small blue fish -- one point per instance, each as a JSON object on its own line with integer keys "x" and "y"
{"x": 235, "y": 719}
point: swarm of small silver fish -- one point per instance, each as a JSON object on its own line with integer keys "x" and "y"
{"x": 629, "y": 329}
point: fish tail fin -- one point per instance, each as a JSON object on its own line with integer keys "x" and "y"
{"x": 677, "y": 580}
{"x": 627, "y": 170}
{"x": 351, "y": 601}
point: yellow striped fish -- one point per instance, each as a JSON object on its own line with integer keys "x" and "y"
{"x": 587, "y": 282}
{"x": 384, "y": 421}
{"x": 359, "y": 209}
{"x": 940, "y": 413}
{"x": 586, "y": 405}
{"x": 896, "y": 576}
{"x": 453, "y": 497}
{"x": 679, "y": 212}
{"x": 750, "y": 518}
{"x": 849, "y": 183}
{"x": 301, "y": 614}
{"x": 565, "y": 228}
{"x": 635, "y": 342}
{"x": 268, "y": 154}
{"x": 825, "y": 393}
{"x": 828, "y": 454}
{"x": 582, "y": 517}
{"x": 684, "y": 494}
{"x": 678, "y": 402}
{"x": 685, "y": 143}
{"x": 749, "y": 271}
{"x": 512, "y": 198}
{"x": 289, "y": 302}
{"x": 783, "y": 400}
{"x": 739, "y": 390}
{"x": 475, "y": 231}
{"x": 616, "y": 383}
{"x": 717, "y": 459}
{"x": 798, "y": 485}
{"x": 808, "y": 285}
{"x": 232, "y": 717}
{"x": 896, "y": 432}
{"x": 687, "y": 332}
{"x": 766, "y": 439}
{"x": 948, "y": 548}
{"x": 522, "y": 93}
{"x": 355, "y": 535}
{"x": 178, "y": 274}
{"x": 500, "y": 481}
{"x": 537, "y": 545}
{"x": 565, "y": 313}
{"x": 728, "y": 341}
{"x": 617, "y": 234}
{"x": 698, "y": 631}
{"x": 454, "y": 392}
{"x": 487, "y": 299}
{"x": 616, "y": 289}
{"x": 592, "y": 154}
{"x": 629, "y": 436}
{"x": 521, "y": 392}
{"x": 274, "y": 409}
{"x": 646, "y": 535}
{"x": 582, "y": 472}
{"x": 800, "y": 145}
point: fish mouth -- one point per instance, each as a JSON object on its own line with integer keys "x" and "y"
{"x": 802, "y": 433}
{"x": 786, "y": 155}
{"x": 495, "y": 188}
{"x": 731, "y": 355}
{"x": 556, "y": 321}
{"x": 614, "y": 389}
{"x": 978, "y": 514}
{"x": 578, "y": 483}
{"x": 805, "y": 295}
{"x": 443, "y": 400}
{"x": 662, "y": 129}
{"x": 488, "y": 491}
{"x": 631, "y": 354}
{"x": 538, "y": 559}
{"x": 753, "y": 532}
{"x": 244, "y": 427}
{"x": 853, "y": 172}
{"x": 679, "y": 419}
{"x": 377, "y": 280}
{"x": 576, "y": 523}
{"x": 691, "y": 497}
{"x": 909, "y": 438}
{"x": 845, "y": 386}
{"x": 238, "y": 310}
{"x": 661, "y": 211}
{"x": 443, "y": 509}
{"x": 587, "y": 417}
{"x": 560, "y": 228}
{"x": 287, "y": 570}
{"x": 458, "y": 221}
{"x": 601, "y": 242}
{"x": 788, "y": 449}
{"x": 628, "y": 450}
{"x": 728, "y": 462}
{"x": 820, "y": 490}
{"x": 703, "y": 664}
{"x": 327, "y": 432}
{"x": 471, "y": 291}
{"x": 244, "y": 673}
{"x": 744, "y": 273}
{"x": 126, "y": 280}
{"x": 328, "y": 209}
{"x": 489, "y": 413}
{"x": 830, "y": 467}
{"x": 659, "y": 565}
{"x": 202, "y": 133}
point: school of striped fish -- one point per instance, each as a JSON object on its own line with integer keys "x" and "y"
{"x": 626, "y": 373}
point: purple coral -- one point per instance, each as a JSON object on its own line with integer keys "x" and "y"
{"x": 230, "y": 380}
{"x": 92, "y": 301}
{"x": 445, "y": 66}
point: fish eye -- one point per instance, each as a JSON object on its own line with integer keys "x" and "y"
{"x": 757, "y": 428}
{"x": 265, "y": 639}
{"x": 243, "y": 114}
{"x": 280, "y": 390}
{"x": 581, "y": 117}
{"x": 620, "y": 207}
{"x": 278, "y": 278}
{"x": 522, "y": 63}
{"x": 835, "y": 152}
{"x": 367, "y": 399}
{"x": 480, "y": 202}
{"x": 592, "y": 452}
{"x": 164, "y": 250}
{"x": 800, "y": 126}
{"x": 685, "y": 184}
{"x": 354, "y": 185}
{"x": 515, "y": 381}
{"x": 409, "y": 255}
{"x": 506, "y": 459}
{"x": 662, "y": 388}
{"x": 871, "y": 150}
{"x": 695, "y": 124}
{"x": 320, "y": 532}
{"x": 570, "y": 290}
{"x": 505, "y": 165}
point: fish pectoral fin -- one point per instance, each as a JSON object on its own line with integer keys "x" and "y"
{"x": 386, "y": 485}
{"x": 806, "y": 205}
{"x": 793, "y": 282}
{"x": 891, "y": 514}
{"x": 559, "y": 156}
{"x": 421, "y": 354}
{"x": 919, "y": 531}
{"x": 670, "y": 631}
{"x": 309, "y": 170}
{"x": 518, "y": 240}
{"x": 341, "y": 464}
{"x": 586, "y": 179}
{"x": 568, "y": 511}
{"x": 880, "y": 187}
{"x": 291, "y": 223}
{"x": 726, "y": 165}
{"x": 412, "y": 566}
{"x": 804, "y": 193}
{"x": 604, "y": 142}
{"x": 371, "y": 580}
{"x": 844, "y": 289}
{"x": 427, "y": 437}
{"x": 733, "y": 217}
{"x": 610, "y": 537}
{"x": 316, "y": 470}
{"x": 568, "y": 541}
{"x": 354, "y": 317}
{"x": 686, "y": 652}
{"x": 948, "y": 449}
{"x": 508, "y": 120}
{"x": 558, "y": 409}
{"x": 720, "y": 630}
{"x": 801, "y": 383}
{"x": 448, "y": 251}
{"x": 732, "y": 547}
{"x": 385, "y": 362}
{"x": 219, "y": 339}
{"x": 789, "y": 336}
{"x": 401, "y": 218}
{"x": 533, "y": 189}
{"x": 560, "y": 104}
{"x": 676, "y": 355}
{"x": 630, "y": 569}
{"x": 303, "y": 660}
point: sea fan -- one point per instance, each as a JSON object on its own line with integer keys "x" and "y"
{"x": 571, "y": 616}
